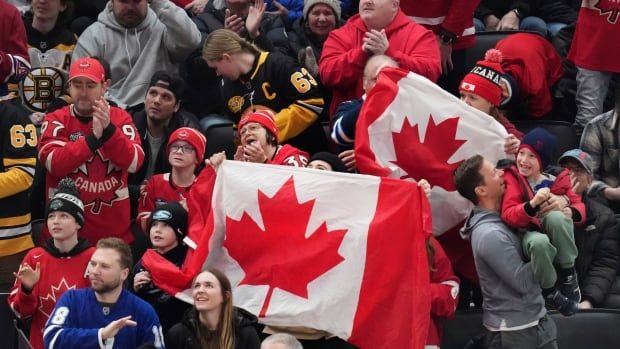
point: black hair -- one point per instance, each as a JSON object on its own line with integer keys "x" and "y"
{"x": 467, "y": 177}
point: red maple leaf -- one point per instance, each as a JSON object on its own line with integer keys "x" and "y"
{"x": 611, "y": 8}
{"x": 428, "y": 159}
{"x": 281, "y": 256}
{"x": 104, "y": 185}
{"x": 48, "y": 302}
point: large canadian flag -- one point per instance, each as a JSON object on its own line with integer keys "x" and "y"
{"x": 410, "y": 128}
{"x": 335, "y": 252}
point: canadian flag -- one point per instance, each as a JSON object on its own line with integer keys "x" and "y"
{"x": 409, "y": 128}
{"x": 336, "y": 252}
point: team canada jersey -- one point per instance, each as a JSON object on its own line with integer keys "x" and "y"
{"x": 288, "y": 155}
{"x": 78, "y": 319}
{"x": 58, "y": 274}
{"x": 68, "y": 148}
{"x": 158, "y": 190}
{"x": 277, "y": 83}
{"x": 595, "y": 43}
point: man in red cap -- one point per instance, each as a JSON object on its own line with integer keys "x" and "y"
{"x": 97, "y": 146}
{"x": 259, "y": 142}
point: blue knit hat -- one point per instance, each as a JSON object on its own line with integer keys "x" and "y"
{"x": 542, "y": 143}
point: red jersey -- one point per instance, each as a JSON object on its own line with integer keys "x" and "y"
{"x": 59, "y": 273}
{"x": 159, "y": 189}
{"x": 288, "y": 155}
{"x": 68, "y": 148}
{"x": 455, "y": 16}
{"x": 595, "y": 43}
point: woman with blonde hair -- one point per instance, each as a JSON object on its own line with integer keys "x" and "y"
{"x": 213, "y": 322}
{"x": 256, "y": 80}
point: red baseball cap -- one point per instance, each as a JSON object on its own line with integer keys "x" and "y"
{"x": 87, "y": 67}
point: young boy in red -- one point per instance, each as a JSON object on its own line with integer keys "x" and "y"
{"x": 543, "y": 208}
{"x": 186, "y": 149}
{"x": 61, "y": 264}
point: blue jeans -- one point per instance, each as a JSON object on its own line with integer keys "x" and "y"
{"x": 529, "y": 23}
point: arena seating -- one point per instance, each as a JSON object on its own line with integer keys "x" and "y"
{"x": 591, "y": 329}
{"x": 7, "y": 329}
{"x": 220, "y": 135}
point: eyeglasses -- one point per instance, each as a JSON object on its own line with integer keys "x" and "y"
{"x": 186, "y": 148}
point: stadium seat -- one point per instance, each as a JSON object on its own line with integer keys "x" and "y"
{"x": 588, "y": 329}
{"x": 7, "y": 329}
{"x": 220, "y": 135}
{"x": 562, "y": 130}
{"x": 36, "y": 228}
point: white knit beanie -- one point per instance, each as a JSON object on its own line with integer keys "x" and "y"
{"x": 334, "y": 4}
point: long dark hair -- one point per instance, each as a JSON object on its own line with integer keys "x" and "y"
{"x": 224, "y": 335}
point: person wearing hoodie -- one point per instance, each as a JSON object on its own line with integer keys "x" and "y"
{"x": 137, "y": 39}
{"x": 380, "y": 28}
{"x": 513, "y": 308}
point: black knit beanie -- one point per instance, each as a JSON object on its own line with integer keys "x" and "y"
{"x": 173, "y": 214}
{"x": 67, "y": 199}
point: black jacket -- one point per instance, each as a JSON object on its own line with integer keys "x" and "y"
{"x": 599, "y": 252}
{"x": 180, "y": 119}
{"x": 168, "y": 308}
{"x": 560, "y": 11}
{"x": 183, "y": 334}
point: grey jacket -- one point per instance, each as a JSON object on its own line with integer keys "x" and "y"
{"x": 600, "y": 139}
{"x": 164, "y": 39}
{"x": 511, "y": 295}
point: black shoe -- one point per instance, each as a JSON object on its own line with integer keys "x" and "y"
{"x": 570, "y": 287}
{"x": 556, "y": 300}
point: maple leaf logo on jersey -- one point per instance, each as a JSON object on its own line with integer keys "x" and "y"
{"x": 49, "y": 301}
{"x": 611, "y": 8}
{"x": 428, "y": 159}
{"x": 285, "y": 249}
{"x": 101, "y": 184}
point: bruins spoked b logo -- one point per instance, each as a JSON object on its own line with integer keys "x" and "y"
{"x": 41, "y": 86}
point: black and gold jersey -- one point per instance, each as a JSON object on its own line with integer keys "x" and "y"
{"x": 50, "y": 58}
{"x": 18, "y": 144}
{"x": 276, "y": 82}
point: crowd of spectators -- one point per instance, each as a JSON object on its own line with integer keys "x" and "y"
{"x": 104, "y": 108}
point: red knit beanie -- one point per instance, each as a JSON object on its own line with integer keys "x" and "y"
{"x": 484, "y": 79}
{"x": 263, "y": 117}
{"x": 191, "y": 136}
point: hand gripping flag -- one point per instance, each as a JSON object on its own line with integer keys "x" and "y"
{"x": 409, "y": 128}
{"x": 335, "y": 252}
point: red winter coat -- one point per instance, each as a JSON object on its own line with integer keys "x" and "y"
{"x": 342, "y": 62}
{"x": 158, "y": 189}
{"x": 444, "y": 294}
{"x": 518, "y": 192}
{"x": 536, "y": 69}
{"x": 455, "y": 16}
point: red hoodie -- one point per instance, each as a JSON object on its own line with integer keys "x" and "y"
{"x": 342, "y": 61}
{"x": 518, "y": 192}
